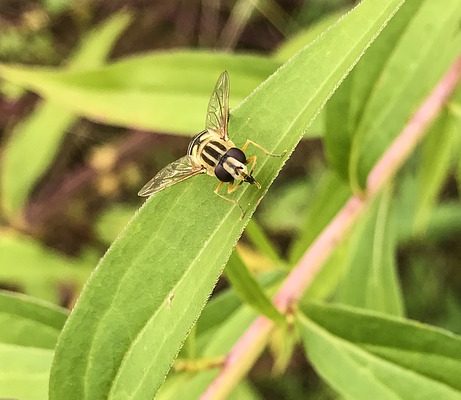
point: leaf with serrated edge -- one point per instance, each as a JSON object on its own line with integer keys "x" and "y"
{"x": 150, "y": 287}
{"x": 428, "y": 47}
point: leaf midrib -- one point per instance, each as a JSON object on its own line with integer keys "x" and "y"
{"x": 370, "y": 355}
{"x": 288, "y": 129}
{"x": 119, "y": 286}
{"x": 340, "y": 345}
{"x": 224, "y": 220}
{"x": 44, "y": 326}
{"x": 372, "y": 91}
{"x": 164, "y": 303}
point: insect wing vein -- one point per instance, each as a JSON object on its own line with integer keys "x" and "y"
{"x": 218, "y": 107}
{"x": 175, "y": 172}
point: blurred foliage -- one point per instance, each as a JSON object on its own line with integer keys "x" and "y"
{"x": 72, "y": 160}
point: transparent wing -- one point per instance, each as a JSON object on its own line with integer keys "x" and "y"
{"x": 218, "y": 108}
{"x": 175, "y": 172}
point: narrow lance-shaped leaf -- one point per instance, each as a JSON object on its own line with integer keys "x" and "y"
{"x": 112, "y": 220}
{"x": 344, "y": 110}
{"x": 383, "y": 292}
{"x": 329, "y": 196}
{"x": 285, "y": 203}
{"x": 212, "y": 345}
{"x": 371, "y": 278}
{"x": 445, "y": 221}
{"x": 388, "y": 83}
{"x": 295, "y": 43}
{"x": 27, "y": 321}
{"x": 152, "y": 284}
{"x": 24, "y": 372}
{"x": 36, "y": 269}
{"x": 246, "y": 286}
{"x": 439, "y": 150}
{"x": 430, "y": 43}
{"x": 190, "y": 386}
{"x": 258, "y": 237}
{"x": 218, "y": 309}
{"x": 162, "y": 91}
{"x": 368, "y": 355}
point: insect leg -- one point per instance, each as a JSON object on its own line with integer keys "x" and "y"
{"x": 233, "y": 186}
{"x": 233, "y": 201}
{"x": 248, "y": 142}
{"x": 251, "y": 161}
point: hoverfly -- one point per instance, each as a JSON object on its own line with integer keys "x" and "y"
{"x": 211, "y": 152}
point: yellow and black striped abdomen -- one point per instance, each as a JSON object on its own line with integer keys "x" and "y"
{"x": 208, "y": 149}
{"x": 212, "y": 153}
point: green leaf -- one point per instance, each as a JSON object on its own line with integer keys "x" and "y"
{"x": 225, "y": 303}
{"x": 325, "y": 283}
{"x": 370, "y": 356}
{"x": 97, "y": 44}
{"x": 439, "y": 150}
{"x": 445, "y": 221}
{"x": 217, "y": 310}
{"x": 31, "y": 322}
{"x": 112, "y": 221}
{"x": 24, "y": 372}
{"x": 329, "y": 196}
{"x": 190, "y": 386}
{"x": 371, "y": 279}
{"x": 345, "y": 109}
{"x": 212, "y": 344}
{"x": 29, "y": 152}
{"x": 339, "y": 129}
{"x": 56, "y": 6}
{"x": 215, "y": 338}
{"x": 249, "y": 290}
{"x": 281, "y": 208}
{"x": 34, "y": 142}
{"x": 388, "y": 84}
{"x": 152, "y": 284}
{"x": 164, "y": 91}
{"x": 35, "y": 268}
{"x": 427, "y": 47}
{"x": 282, "y": 344}
{"x": 258, "y": 237}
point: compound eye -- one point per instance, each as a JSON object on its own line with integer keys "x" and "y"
{"x": 222, "y": 174}
{"x": 237, "y": 154}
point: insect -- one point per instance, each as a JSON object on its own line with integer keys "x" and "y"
{"x": 211, "y": 152}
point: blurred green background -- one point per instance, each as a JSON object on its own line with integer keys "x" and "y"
{"x": 69, "y": 184}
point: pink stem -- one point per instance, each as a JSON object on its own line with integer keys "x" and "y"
{"x": 252, "y": 342}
